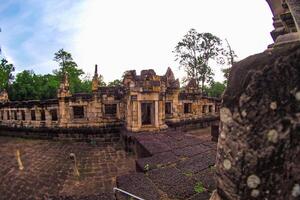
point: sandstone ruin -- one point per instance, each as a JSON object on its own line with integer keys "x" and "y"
{"x": 145, "y": 102}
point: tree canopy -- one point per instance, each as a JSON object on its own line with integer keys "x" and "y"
{"x": 115, "y": 83}
{"x": 6, "y": 75}
{"x": 194, "y": 53}
{"x": 230, "y": 58}
{"x": 29, "y": 86}
{"x": 215, "y": 89}
{"x": 69, "y": 66}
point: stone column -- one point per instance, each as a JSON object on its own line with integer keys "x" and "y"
{"x": 48, "y": 118}
{"x": 156, "y": 114}
{"x": 138, "y": 114}
{"x": 5, "y": 115}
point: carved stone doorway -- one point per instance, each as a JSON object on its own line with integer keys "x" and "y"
{"x": 147, "y": 113}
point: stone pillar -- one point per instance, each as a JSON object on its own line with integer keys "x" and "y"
{"x": 156, "y": 114}
{"x": 138, "y": 115}
{"x": 48, "y": 118}
{"x": 5, "y": 115}
{"x": 27, "y": 115}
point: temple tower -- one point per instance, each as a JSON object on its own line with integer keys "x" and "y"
{"x": 95, "y": 81}
{"x": 63, "y": 95}
{"x": 64, "y": 87}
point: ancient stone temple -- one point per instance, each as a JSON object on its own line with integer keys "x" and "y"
{"x": 145, "y": 102}
{"x": 259, "y": 145}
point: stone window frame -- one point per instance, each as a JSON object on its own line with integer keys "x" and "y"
{"x": 7, "y": 115}
{"x": 15, "y": 114}
{"x": 110, "y": 114}
{"x": 210, "y": 108}
{"x": 79, "y": 117}
{"x": 204, "y": 108}
{"x": 42, "y": 115}
{"x": 189, "y": 109}
{"x": 33, "y": 115}
{"x": 23, "y": 115}
{"x": 52, "y": 111}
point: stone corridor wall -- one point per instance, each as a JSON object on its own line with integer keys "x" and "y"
{"x": 112, "y": 106}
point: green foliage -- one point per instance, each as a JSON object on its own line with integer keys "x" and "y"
{"x": 226, "y": 72}
{"x": 115, "y": 83}
{"x": 195, "y": 51}
{"x": 199, "y": 188}
{"x": 216, "y": 89}
{"x": 28, "y": 85}
{"x": 230, "y": 57}
{"x": 6, "y": 76}
{"x": 67, "y": 65}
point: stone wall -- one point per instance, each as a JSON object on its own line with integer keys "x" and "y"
{"x": 114, "y": 106}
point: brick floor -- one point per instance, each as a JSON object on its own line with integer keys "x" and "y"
{"x": 180, "y": 166}
{"x": 49, "y": 171}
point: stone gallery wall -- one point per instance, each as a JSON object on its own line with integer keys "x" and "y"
{"x": 145, "y": 102}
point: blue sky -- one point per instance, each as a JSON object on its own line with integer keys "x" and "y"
{"x": 33, "y": 30}
{"x": 120, "y": 35}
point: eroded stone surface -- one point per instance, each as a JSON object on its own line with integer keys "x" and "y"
{"x": 260, "y": 128}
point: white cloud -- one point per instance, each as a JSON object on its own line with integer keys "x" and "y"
{"x": 138, "y": 34}
{"x": 134, "y": 34}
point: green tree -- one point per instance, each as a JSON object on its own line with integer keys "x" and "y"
{"x": 30, "y": 86}
{"x": 195, "y": 51}
{"x": 6, "y": 75}
{"x": 24, "y": 86}
{"x": 115, "y": 83}
{"x": 230, "y": 57}
{"x": 50, "y": 84}
{"x": 215, "y": 89}
{"x": 67, "y": 65}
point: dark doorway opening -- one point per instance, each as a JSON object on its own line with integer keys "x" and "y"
{"x": 43, "y": 115}
{"x": 147, "y": 113}
{"x": 187, "y": 108}
{"x": 78, "y": 112}
{"x": 54, "y": 115}
{"x": 168, "y": 108}
{"x": 23, "y": 115}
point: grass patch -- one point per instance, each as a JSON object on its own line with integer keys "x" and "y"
{"x": 199, "y": 188}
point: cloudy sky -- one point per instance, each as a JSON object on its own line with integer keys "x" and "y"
{"x": 120, "y": 35}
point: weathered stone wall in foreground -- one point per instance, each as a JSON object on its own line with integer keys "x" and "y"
{"x": 259, "y": 144}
